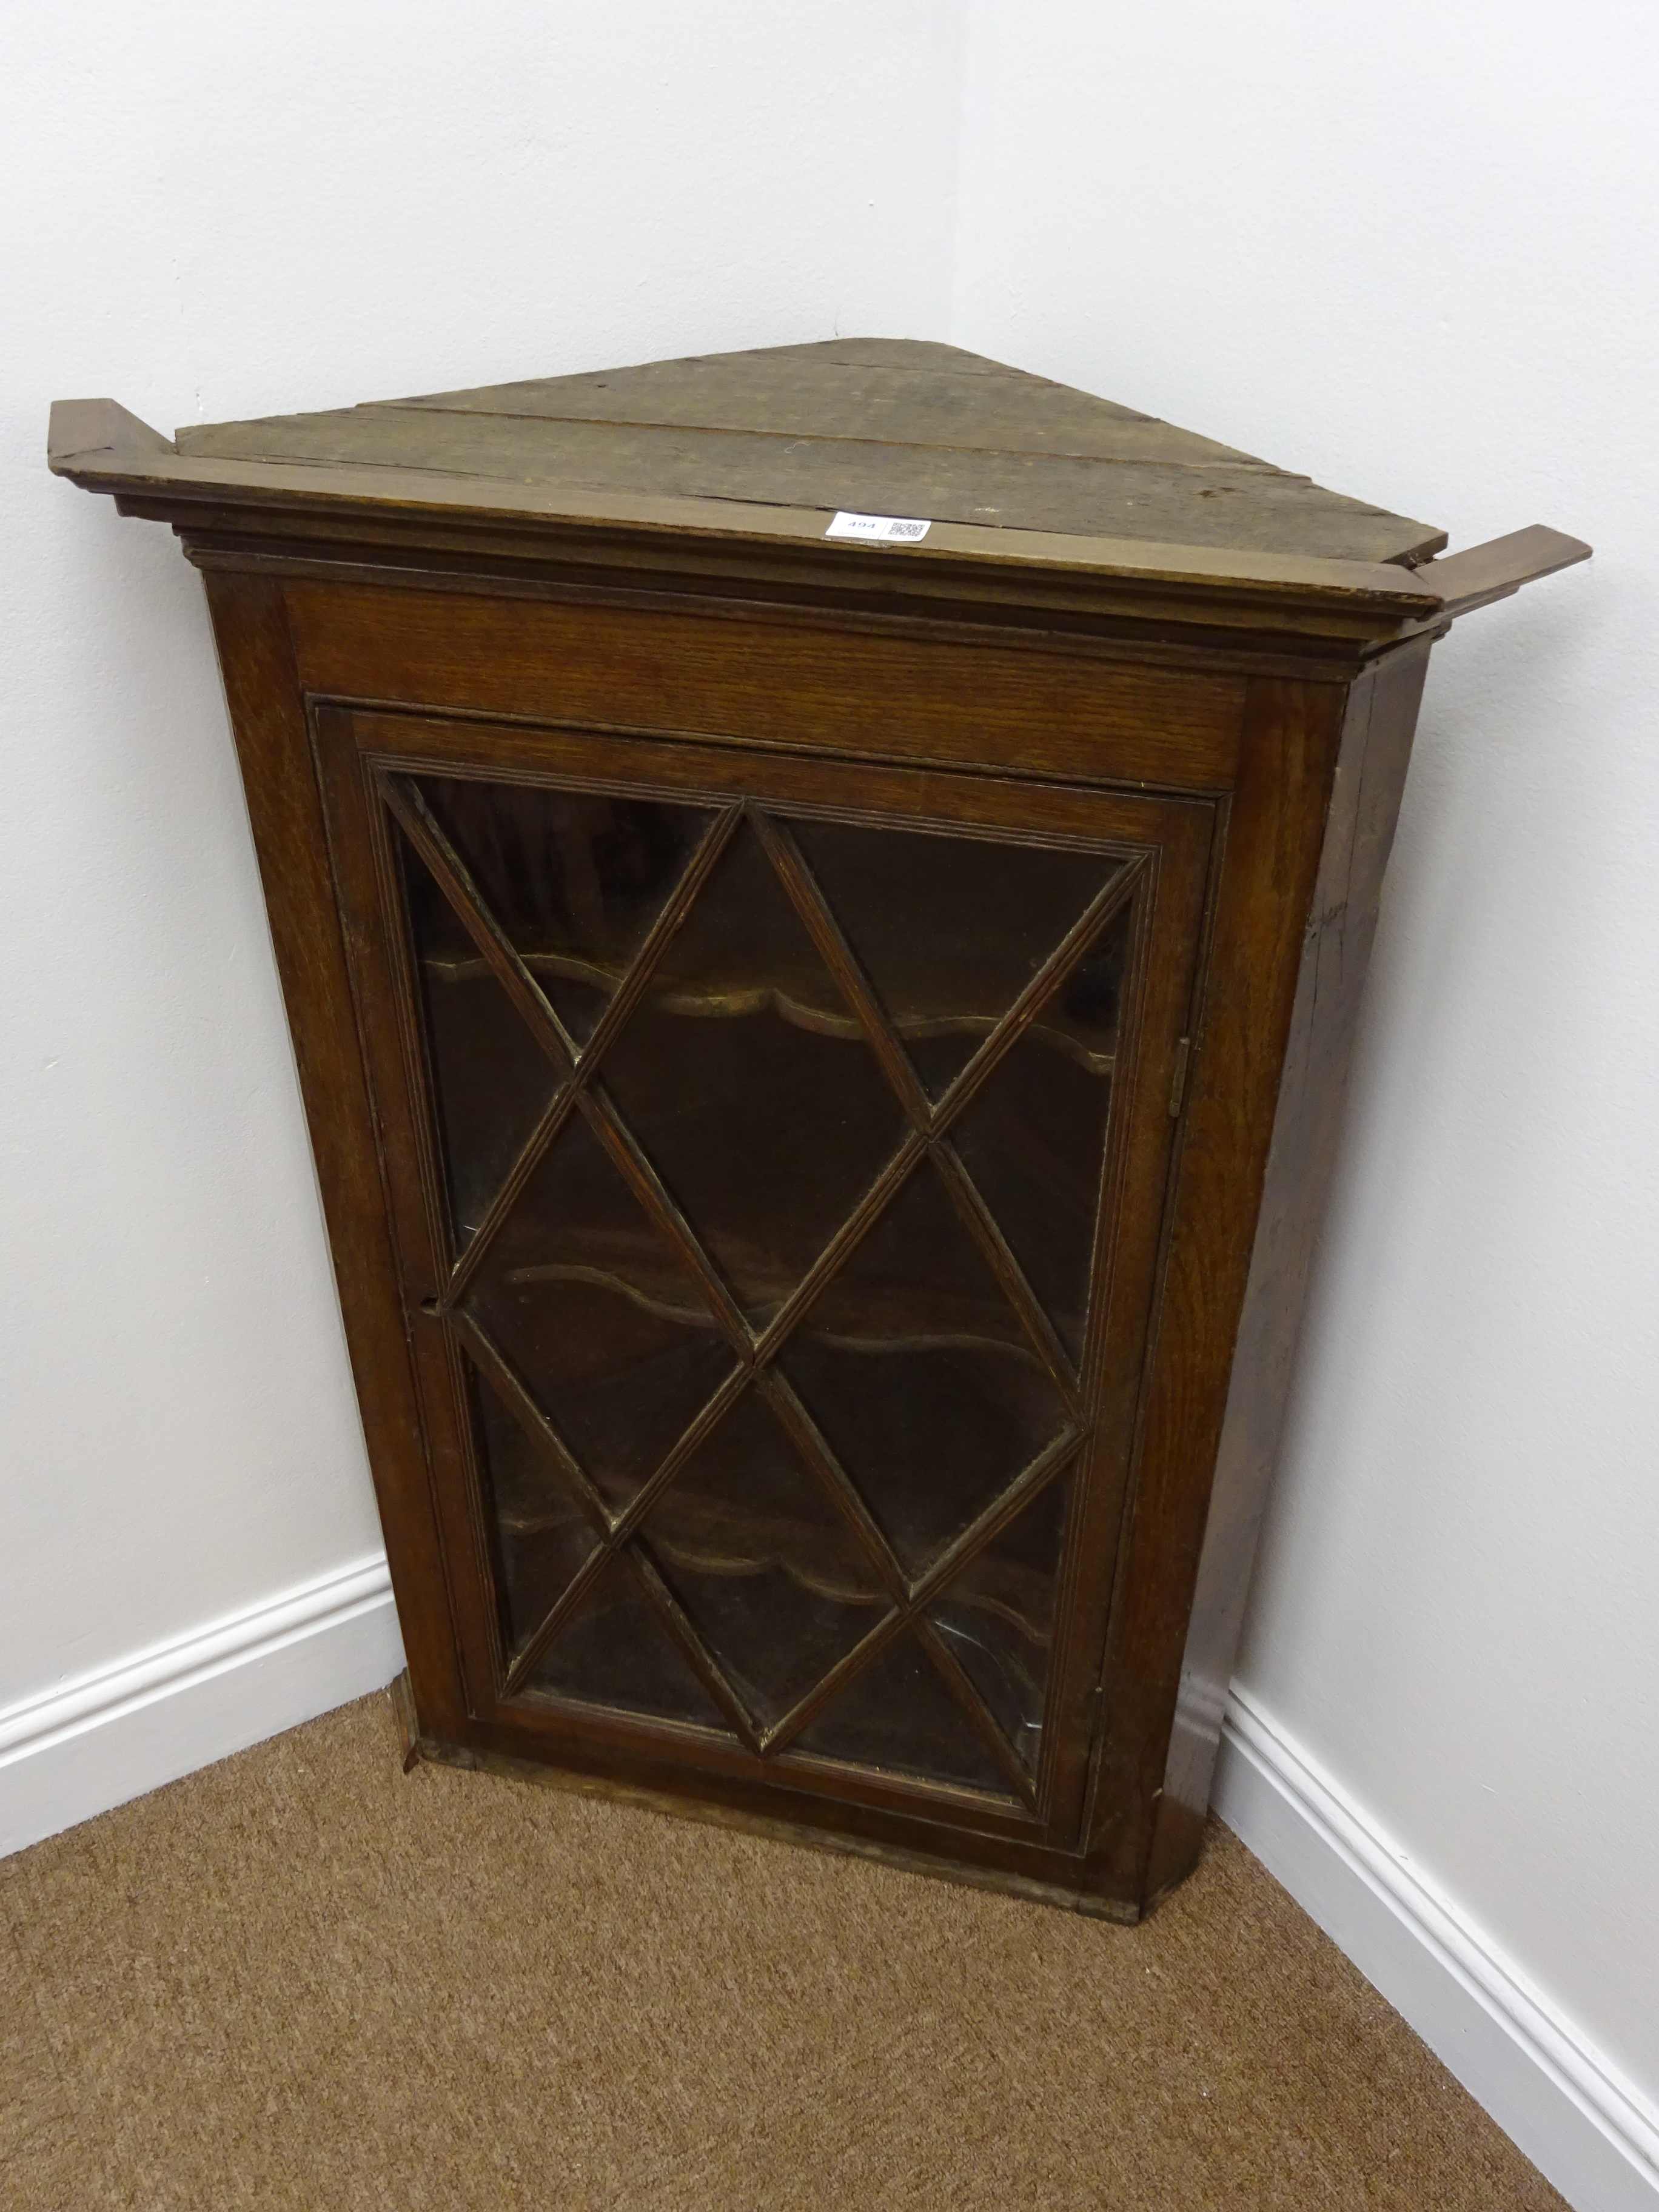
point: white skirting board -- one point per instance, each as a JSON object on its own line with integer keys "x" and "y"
{"x": 94, "y": 1743}
{"x": 1590, "y": 2132}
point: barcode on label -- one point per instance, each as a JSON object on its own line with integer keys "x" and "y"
{"x": 889, "y": 528}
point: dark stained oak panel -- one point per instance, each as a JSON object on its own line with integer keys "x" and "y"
{"x": 885, "y": 699}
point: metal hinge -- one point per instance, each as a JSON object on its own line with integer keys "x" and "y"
{"x": 1183, "y": 1051}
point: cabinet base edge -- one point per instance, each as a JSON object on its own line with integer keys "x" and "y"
{"x": 416, "y": 1748}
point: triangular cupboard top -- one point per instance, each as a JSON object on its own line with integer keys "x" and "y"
{"x": 886, "y": 426}
{"x": 725, "y": 471}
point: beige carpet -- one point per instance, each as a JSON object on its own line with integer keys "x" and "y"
{"x": 300, "y": 1978}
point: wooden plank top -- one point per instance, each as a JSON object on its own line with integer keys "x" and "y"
{"x": 723, "y": 473}
{"x": 875, "y": 425}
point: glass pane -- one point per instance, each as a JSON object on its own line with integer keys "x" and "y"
{"x": 762, "y": 1562}
{"x": 921, "y": 1376}
{"x": 997, "y": 1618}
{"x": 948, "y": 930}
{"x": 615, "y": 1651}
{"x": 1034, "y": 1139}
{"x": 574, "y": 880}
{"x": 494, "y": 1081}
{"x": 897, "y": 1713}
{"x": 542, "y": 1535}
{"x": 594, "y": 1311}
{"x": 746, "y": 1078}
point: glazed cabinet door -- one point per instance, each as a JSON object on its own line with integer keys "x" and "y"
{"x": 776, "y": 1153}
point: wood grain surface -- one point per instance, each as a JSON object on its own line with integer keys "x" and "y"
{"x": 923, "y": 431}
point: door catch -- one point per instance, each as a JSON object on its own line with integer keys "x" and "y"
{"x": 1177, "y": 1087}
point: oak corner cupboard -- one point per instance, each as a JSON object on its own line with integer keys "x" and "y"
{"x": 823, "y": 896}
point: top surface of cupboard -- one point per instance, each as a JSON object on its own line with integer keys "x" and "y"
{"x": 888, "y": 425}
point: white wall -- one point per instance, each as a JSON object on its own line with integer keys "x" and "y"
{"x": 213, "y": 212}
{"x": 1416, "y": 260}
{"x": 1416, "y": 257}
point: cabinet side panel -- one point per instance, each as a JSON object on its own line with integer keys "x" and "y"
{"x": 268, "y": 716}
{"x": 1262, "y": 898}
{"x": 1377, "y": 741}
